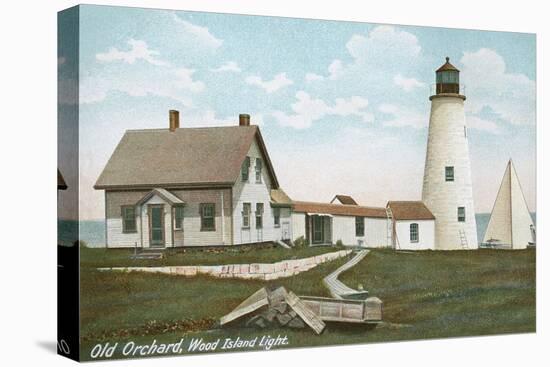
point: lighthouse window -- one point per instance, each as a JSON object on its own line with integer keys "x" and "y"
{"x": 413, "y": 232}
{"x": 461, "y": 214}
{"x": 449, "y": 173}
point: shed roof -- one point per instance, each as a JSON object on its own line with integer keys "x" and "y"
{"x": 339, "y": 209}
{"x": 184, "y": 157}
{"x": 280, "y": 198}
{"x": 404, "y": 210}
{"x": 345, "y": 199}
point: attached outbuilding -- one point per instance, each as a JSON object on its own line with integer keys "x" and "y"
{"x": 353, "y": 225}
{"x": 413, "y": 225}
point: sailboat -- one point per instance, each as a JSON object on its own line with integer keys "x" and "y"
{"x": 511, "y": 225}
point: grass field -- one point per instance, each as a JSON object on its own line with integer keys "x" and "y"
{"x": 102, "y": 257}
{"x": 426, "y": 295}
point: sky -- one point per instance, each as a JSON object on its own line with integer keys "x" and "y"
{"x": 343, "y": 106}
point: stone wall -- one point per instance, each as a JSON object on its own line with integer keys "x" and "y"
{"x": 281, "y": 269}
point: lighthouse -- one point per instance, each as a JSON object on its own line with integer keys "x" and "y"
{"x": 447, "y": 185}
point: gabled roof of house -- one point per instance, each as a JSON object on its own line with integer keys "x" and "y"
{"x": 186, "y": 157}
{"x": 339, "y": 209}
{"x": 405, "y": 210}
{"x": 164, "y": 194}
{"x": 61, "y": 185}
{"x": 345, "y": 199}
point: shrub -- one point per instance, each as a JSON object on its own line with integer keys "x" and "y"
{"x": 339, "y": 243}
{"x": 301, "y": 242}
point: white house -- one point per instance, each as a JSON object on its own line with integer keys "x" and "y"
{"x": 193, "y": 187}
{"x": 413, "y": 225}
{"x": 353, "y": 225}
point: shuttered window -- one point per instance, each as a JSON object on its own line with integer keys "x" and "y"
{"x": 129, "y": 219}
{"x": 259, "y": 215}
{"x": 258, "y": 170}
{"x": 245, "y": 168}
{"x": 359, "y": 226}
{"x": 178, "y": 217}
{"x": 246, "y": 215}
{"x": 413, "y": 232}
{"x": 208, "y": 213}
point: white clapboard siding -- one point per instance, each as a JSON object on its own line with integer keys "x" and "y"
{"x": 298, "y": 225}
{"x": 376, "y": 232}
{"x": 192, "y": 234}
{"x": 343, "y": 228}
{"x": 426, "y": 234}
{"x": 115, "y": 237}
{"x": 253, "y": 193}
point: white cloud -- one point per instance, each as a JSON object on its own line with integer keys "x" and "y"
{"x": 230, "y": 66}
{"x": 312, "y": 77}
{"x": 202, "y": 34}
{"x": 270, "y": 86}
{"x": 185, "y": 80}
{"x": 306, "y": 110}
{"x": 407, "y": 84}
{"x": 403, "y": 116}
{"x": 477, "y": 123}
{"x": 139, "y": 51}
{"x": 335, "y": 69}
{"x": 386, "y": 39}
{"x": 489, "y": 85}
{"x": 384, "y": 48}
{"x": 179, "y": 85}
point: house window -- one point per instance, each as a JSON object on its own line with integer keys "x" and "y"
{"x": 246, "y": 215}
{"x": 129, "y": 219}
{"x": 259, "y": 215}
{"x": 449, "y": 173}
{"x": 245, "y": 168}
{"x": 178, "y": 217}
{"x": 359, "y": 226}
{"x": 208, "y": 213}
{"x": 258, "y": 170}
{"x": 461, "y": 214}
{"x": 276, "y": 217}
{"x": 413, "y": 232}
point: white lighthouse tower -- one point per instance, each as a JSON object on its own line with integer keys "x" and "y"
{"x": 447, "y": 186}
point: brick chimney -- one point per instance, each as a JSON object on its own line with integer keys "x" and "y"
{"x": 244, "y": 119}
{"x": 174, "y": 120}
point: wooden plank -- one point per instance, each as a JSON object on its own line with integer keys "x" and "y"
{"x": 249, "y": 305}
{"x": 305, "y": 313}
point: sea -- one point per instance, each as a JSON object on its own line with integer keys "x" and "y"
{"x": 93, "y": 231}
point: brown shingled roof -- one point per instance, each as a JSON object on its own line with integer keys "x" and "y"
{"x": 184, "y": 157}
{"x": 339, "y": 209}
{"x": 345, "y": 199}
{"x": 403, "y": 210}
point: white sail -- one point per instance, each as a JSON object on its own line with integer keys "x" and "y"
{"x": 510, "y": 224}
